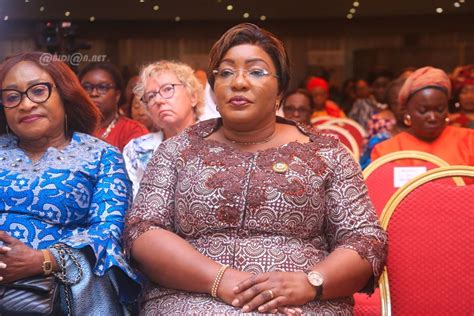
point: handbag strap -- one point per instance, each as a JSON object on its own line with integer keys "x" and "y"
{"x": 61, "y": 275}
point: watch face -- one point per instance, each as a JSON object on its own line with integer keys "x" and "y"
{"x": 315, "y": 278}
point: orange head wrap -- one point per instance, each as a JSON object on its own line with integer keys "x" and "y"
{"x": 422, "y": 78}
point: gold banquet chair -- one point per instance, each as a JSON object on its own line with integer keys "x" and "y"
{"x": 344, "y": 136}
{"x": 379, "y": 175}
{"x": 355, "y": 129}
{"x": 429, "y": 266}
{"x": 379, "y": 178}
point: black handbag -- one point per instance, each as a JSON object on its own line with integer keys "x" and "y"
{"x": 30, "y": 296}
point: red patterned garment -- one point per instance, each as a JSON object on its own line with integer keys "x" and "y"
{"x": 234, "y": 208}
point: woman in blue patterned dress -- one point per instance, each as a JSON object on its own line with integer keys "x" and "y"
{"x": 60, "y": 186}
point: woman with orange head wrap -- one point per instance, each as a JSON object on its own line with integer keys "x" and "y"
{"x": 424, "y": 100}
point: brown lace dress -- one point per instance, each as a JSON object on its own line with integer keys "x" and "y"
{"x": 234, "y": 208}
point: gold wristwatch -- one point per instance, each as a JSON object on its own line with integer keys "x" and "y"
{"x": 47, "y": 264}
{"x": 316, "y": 279}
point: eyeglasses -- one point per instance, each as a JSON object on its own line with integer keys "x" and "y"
{"x": 101, "y": 88}
{"x": 38, "y": 93}
{"x": 255, "y": 74}
{"x": 166, "y": 91}
{"x": 292, "y": 110}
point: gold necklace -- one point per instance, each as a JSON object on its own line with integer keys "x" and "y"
{"x": 110, "y": 127}
{"x": 266, "y": 140}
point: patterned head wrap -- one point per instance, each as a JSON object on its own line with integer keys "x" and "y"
{"x": 423, "y": 78}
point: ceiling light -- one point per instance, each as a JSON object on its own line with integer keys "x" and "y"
{"x": 457, "y": 4}
{"x": 67, "y": 13}
{"x": 141, "y": 1}
{"x": 177, "y": 19}
{"x": 356, "y": 3}
{"x": 230, "y": 7}
{"x": 5, "y": 18}
{"x": 352, "y": 10}
{"x": 461, "y": 1}
{"x": 41, "y": 9}
{"x": 439, "y": 10}
{"x": 263, "y": 18}
{"x": 92, "y": 18}
{"x": 349, "y": 16}
{"x": 27, "y": 1}
{"x": 246, "y": 15}
{"x": 156, "y": 7}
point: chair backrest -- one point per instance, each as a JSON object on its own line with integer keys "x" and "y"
{"x": 344, "y": 136}
{"x": 380, "y": 174}
{"x": 321, "y": 120}
{"x": 355, "y": 129}
{"x": 429, "y": 266}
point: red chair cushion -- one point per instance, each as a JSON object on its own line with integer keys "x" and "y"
{"x": 367, "y": 305}
{"x": 431, "y": 252}
{"x": 380, "y": 183}
{"x": 359, "y": 138}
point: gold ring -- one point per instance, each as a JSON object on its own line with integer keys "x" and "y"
{"x": 271, "y": 294}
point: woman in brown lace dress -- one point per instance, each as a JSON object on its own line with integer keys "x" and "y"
{"x": 251, "y": 212}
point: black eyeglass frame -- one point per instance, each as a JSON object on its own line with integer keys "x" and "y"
{"x": 49, "y": 85}
{"x": 90, "y": 87}
{"x": 142, "y": 99}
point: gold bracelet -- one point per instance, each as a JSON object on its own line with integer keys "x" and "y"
{"x": 218, "y": 279}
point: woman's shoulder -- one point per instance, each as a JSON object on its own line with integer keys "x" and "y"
{"x": 8, "y": 142}
{"x": 195, "y": 132}
{"x": 89, "y": 143}
{"x": 146, "y": 142}
{"x": 458, "y": 132}
{"x": 316, "y": 136}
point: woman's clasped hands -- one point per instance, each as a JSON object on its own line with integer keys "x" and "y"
{"x": 272, "y": 292}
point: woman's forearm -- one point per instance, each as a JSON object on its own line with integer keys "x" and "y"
{"x": 172, "y": 262}
{"x": 345, "y": 272}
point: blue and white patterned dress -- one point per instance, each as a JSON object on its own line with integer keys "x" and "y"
{"x": 77, "y": 196}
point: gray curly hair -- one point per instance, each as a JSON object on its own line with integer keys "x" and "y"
{"x": 183, "y": 72}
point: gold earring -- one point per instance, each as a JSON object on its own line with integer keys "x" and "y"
{"x": 407, "y": 120}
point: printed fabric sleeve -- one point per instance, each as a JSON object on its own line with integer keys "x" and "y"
{"x": 154, "y": 206}
{"x": 351, "y": 221}
{"x": 131, "y": 163}
{"x": 102, "y": 232}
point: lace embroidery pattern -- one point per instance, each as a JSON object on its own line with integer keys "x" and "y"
{"x": 234, "y": 208}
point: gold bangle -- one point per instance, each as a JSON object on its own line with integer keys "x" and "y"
{"x": 218, "y": 279}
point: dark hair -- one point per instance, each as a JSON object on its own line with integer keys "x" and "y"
{"x": 82, "y": 114}
{"x": 385, "y": 73}
{"x": 299, "y": 91}
{"x": 248, "y": 33}
{"x": 112, "y": 70}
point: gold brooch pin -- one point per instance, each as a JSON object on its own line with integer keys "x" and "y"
{"x": 280, "y": 167}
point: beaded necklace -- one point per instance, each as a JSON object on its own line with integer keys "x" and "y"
{"x": 110, "y": 127}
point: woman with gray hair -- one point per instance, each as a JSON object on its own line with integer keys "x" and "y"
{"x": 174, "y": 98}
